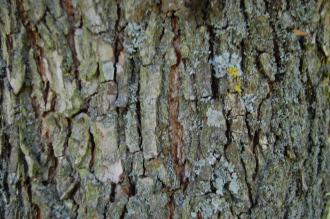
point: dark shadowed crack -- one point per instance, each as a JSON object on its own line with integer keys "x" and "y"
{"x": 70, "y": 11}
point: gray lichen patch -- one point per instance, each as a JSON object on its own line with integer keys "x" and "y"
{"x": 133, "y": 37}
{"x": 227, "y": 64}
{"x": 209, "y": 206}
{"x": 164, "y": 109}
{"x": 225, "y": 175}
{"x": 215, "y": 118}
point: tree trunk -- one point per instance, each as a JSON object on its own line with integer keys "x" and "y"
{"x": 164, "y": 109}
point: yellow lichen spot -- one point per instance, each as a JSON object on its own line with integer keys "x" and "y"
{"x": 232, "y": 72}
{"x": 238, "y": 88}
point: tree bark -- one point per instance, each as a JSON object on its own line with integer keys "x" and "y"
{"x": 164, "y": 109}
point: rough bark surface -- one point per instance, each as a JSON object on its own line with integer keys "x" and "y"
{"x": 164, "y": 109}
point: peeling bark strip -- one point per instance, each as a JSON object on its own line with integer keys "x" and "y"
{"x": 175, "y": 127}
{"x": 164, "y": 109}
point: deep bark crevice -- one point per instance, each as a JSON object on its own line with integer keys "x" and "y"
{"x": 70, "y": 11}
{"x": 175, "y": 128}
{"x": 93, "y": 152}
